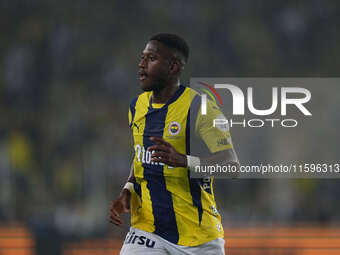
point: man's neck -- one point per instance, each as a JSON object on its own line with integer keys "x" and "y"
{"x": 163, "y": 96}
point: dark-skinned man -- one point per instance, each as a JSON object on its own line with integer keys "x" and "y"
{"x": 171, "y": 213}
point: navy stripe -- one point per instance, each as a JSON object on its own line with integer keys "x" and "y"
{"x": 191, "y": 119}
{"x": 133, "y": 110}
{"x": 196, "y": 142}
{"x": 162, "y": 203}
{"x": 187, "y": 134}
{"x": 195, "y": 189}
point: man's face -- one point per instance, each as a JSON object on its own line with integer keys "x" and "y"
{"x": 154, "y": 66}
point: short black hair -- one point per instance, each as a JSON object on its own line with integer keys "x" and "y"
{"x": 174, "y": 42}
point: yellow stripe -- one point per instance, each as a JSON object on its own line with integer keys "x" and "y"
{"x": 142, "y": 216}
{"x": 138, "y": 126}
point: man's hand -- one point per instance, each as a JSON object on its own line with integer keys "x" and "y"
{"x": 119, "y": 206}
{"x": 165, "y": 153}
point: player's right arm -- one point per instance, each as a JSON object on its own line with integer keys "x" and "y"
{"x": 122, "y": 203}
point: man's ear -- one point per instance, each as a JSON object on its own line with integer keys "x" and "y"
{"x": 175, "y": 67}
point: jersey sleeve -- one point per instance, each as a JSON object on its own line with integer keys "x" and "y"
{"x": 213, "y": 129}
{"x": 132, "y": 111}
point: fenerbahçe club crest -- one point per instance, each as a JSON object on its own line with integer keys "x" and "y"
{"x": 174, "y": 128}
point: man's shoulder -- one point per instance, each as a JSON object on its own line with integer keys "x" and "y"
{"x": 192, "y": 96}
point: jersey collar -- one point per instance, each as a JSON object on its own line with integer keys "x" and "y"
{"x": 177, "y": 94}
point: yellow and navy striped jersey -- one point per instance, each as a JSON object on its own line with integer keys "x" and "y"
{"x": 166, "y": 201}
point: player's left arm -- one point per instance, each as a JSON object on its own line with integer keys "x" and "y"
{"x": 213, "y": 129}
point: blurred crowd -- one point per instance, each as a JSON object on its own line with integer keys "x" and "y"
{"x": 68, "y": 70}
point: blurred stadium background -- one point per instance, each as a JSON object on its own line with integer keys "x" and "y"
{"x": 68, "y": 70}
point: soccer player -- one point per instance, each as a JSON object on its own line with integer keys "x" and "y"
{"x": 171, "y": 213}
